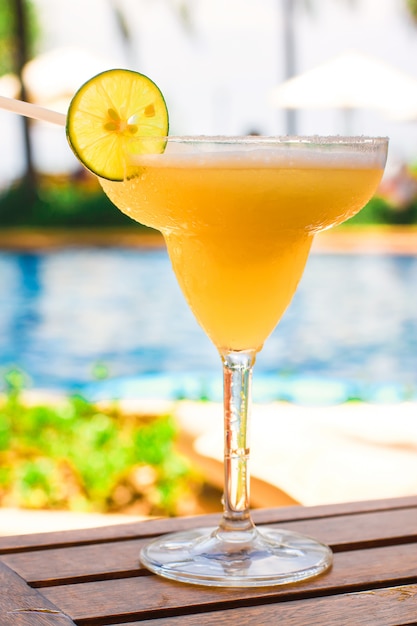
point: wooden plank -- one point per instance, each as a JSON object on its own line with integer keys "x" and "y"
{"x": 22, "y": 606}
{"x": 98, "y": 561}
{"x": 395, "y": 606}
{"x": 119, "y": 590}
{"x": 150, "y": 596}
{"x": 78, "y": 563}
{"x": 149, "y": 528}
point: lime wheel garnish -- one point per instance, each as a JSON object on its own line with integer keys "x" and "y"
{"x": 114, "y": 115}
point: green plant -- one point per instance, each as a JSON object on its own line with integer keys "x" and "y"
{"x": 380, "y": 211}
{"x": 59, "y": 203}
{"x": 74, "y": 455}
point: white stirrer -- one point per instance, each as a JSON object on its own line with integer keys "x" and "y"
{"x": 32, "y": 110}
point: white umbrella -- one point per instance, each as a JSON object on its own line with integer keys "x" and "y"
{"x": 9, "y": 86}
{"x": 351, "y": 81}
{"x": 54, "y": 77}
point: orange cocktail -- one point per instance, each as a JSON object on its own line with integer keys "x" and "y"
{"x": 239, "y": 226}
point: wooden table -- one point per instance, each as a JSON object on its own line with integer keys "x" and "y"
{"x": 91, "y": 577}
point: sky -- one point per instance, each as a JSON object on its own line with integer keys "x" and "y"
{"x": 217, "y": 74}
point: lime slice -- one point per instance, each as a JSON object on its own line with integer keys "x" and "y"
{"x": 111, "y": 116}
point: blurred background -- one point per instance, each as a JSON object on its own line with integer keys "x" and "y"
{"x": 217, "y": 63}
{"x": 225, "y": 66}
{"x": 87, "y": 312}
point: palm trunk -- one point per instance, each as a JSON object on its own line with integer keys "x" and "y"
{"x": 289, "y": 58}
{"x": 20, "y": 61}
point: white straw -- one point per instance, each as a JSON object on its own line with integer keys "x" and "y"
{"x": 32, "y": 110}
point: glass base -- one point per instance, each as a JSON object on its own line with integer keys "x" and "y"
{"x": 259, "y": 557}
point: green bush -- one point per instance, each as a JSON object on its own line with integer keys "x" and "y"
{"x": 77, "y": 456}
{"x": 62, "y": 203}
{"x": 380, "y": 211}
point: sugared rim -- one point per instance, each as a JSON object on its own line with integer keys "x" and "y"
{"x": 271, "y": 151}
{"x": 313, "y": 139}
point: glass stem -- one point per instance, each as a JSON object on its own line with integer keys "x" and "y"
{"x": 237, "y": 379}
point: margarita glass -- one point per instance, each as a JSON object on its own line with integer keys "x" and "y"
{"x": 238, "y": 216}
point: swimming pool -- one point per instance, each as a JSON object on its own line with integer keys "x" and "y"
{"x": 69, "y": 315}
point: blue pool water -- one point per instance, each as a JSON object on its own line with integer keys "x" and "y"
{"x": 68, "y": 315}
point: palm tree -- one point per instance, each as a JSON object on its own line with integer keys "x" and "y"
{"x": 22, "y": 55}
{"x": 289, "y": 58}
{"x": 17, "y": 34}
{"x": 180, "y": 7}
